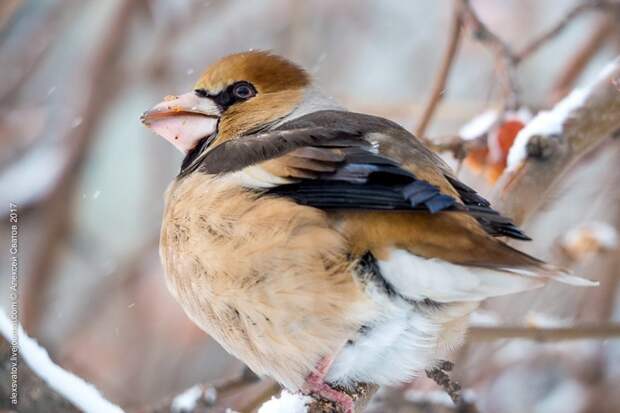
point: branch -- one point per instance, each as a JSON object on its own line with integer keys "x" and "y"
{"x": 555, "y": 30}
{"x": 34, "y": 394}
{"x": 439, "y": 375}
{"x": 584, "y": 332}
{"x": 97, "y": 89}
{"x": 553, "y": 140}
{"x": 31, "y": 47}
{"x": 456, "y": 144}
{"x": 508, "y": 62}
{"x": 581, "y": 58}
{"x": 42, "y": 385}
{"x": 439, "y": 84}
{"x": 299, "y": 403}
{"x": 242, "y": 393}
{"x": 505, "y": 58}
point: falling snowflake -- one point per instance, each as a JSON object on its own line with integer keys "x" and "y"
{"x": 77, "y": 122}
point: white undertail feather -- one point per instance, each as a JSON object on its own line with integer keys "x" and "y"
{"x": 408, "y": 334}
{"x": 557, "y": 274}
{"x": 418, "y": 278}
{"x": 400, "y": 341}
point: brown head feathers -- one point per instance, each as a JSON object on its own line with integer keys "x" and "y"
{"x": 268, "y": 73}
{"x": 279, "y": 86}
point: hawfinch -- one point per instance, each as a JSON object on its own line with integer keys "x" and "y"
{"x": 323, "y": 247}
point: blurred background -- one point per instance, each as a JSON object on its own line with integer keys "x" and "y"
{"x": 88, "y": 179}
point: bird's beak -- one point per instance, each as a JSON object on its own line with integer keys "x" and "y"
{"x": 183, "y": 120}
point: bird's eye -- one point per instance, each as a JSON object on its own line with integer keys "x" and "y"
{"x": 243, "y": 91}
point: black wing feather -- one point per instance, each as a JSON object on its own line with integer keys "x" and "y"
{"x": 494, "y": 223}
{"x": 367, "y": 181}
{"x": 362, "y": 179}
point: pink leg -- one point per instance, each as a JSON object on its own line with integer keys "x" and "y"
{"x": 315, "y": 383}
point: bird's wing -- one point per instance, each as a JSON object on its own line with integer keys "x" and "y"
{"x": 387, "y": 193}
{"x": 344, "y": 160}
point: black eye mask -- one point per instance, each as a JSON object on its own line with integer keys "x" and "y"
{"x": 237, "y": 92}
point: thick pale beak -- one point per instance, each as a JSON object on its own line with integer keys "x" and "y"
{"x": 183, "y": 120}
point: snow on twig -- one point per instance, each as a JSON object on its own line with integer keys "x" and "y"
{"x": 77, "y": 391}
{"x": 551, "y": 122}
{"x": 287, "y": 403}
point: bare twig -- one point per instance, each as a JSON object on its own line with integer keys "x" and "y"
{"x": 439, "y": 374}
{"x": 602, "y": 331}
{"x": 217, "y": 395}
{"x": 580, "y": 59}
{"x": 30, "y": 48}
{"x": 482, "y": 32}
{"x": 555, "y": 30}
{"x": 8, "y": 9}
{"x": 167, "y": 35}
{"x": 57, "y": 211}
{"x": 439, "y": 84}
{"x": 458, "y": 146}
{"x": 262, "y": 397}
{"x": 505, "y": 58}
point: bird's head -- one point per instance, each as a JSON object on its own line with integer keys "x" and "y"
{"x": 237, "y": 95}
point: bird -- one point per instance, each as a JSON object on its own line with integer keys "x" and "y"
{"x": 320, "y": 246}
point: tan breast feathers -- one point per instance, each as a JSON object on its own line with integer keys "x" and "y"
{"x": 262, "y": 276}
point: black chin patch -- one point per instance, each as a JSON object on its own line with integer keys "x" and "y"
{"x": 195, "y": 153}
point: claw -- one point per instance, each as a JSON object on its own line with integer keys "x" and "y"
{"x": 316, "y": 385}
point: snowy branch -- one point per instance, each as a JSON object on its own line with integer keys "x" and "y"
{"x": 552, "y": 141}
{"x": 42, "y": 384}
{"x": 299, "y": 403}
{"x": 242, "y": 393}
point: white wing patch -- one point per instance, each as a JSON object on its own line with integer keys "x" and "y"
{"x": 418, "y": 278}
{"x": 255, "y": 177}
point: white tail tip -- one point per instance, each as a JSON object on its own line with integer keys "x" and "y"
{"x": 574, "y": 280}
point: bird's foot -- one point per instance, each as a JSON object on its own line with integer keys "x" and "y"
{"x": 342, "y": 400}
{"x": 316, "y": 385}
